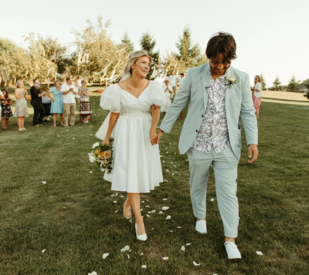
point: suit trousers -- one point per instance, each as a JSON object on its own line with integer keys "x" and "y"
{"x": 69, "y": 108}
{"x": 39, "y": 112}
{"x": 225, "y": 166}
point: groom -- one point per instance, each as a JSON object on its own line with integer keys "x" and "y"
{"x": 218, "y": 95}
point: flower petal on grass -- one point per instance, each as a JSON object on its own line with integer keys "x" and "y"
{"x": 168, "y": 217}
{"x": 212, "y": 199}
{"x": 165, "y": 199}
{"x": 148, "y": 206}
{"x": 165, "y": 258}
{"x": 128, "y": 256}
{"x": 160, "y": 212}
{"x": 142, "y": 254}
{"x": 93, "y": 273}
{"x": 144, "y": 266}
{"x": 188, "y": 244}
{"x": 179, "y": 227}
{"x": 196, "y": 264}
{"x": 126, "y": 248}
{"x": 116, "y": 211}
{"x": 164, "y": 208}
{"x": 43, "y": 250}
{"x": 44, "y": 182}
{"x": 114, "y": 201}
{"x": 105, "y": 255}
{"x": 148, "y": 216}
{"x": 183, "y": 249}
{"x": 90, "y": 172}
{"x": 259, "y": 253}
{"x": 171, "y": 231}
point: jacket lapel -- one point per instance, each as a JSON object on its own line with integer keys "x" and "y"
{"x": 229, "y": 91}
{"x": 205, "y": 81}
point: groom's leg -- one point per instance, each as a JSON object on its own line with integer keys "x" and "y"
{"x": 225, "y": 170}
{"x": 199, "y": 171}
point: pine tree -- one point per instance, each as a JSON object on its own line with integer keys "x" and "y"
{"x": 148, "y": 43}
{"x": 276, "y": 84}
{"x": 263, "y": 83}
{"x": 293, "y": 85}
{"x": 127, "y": 44}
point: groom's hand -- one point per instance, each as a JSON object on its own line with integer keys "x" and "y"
{"x": 252, "y": 153}
{"x": 159, "y": 135}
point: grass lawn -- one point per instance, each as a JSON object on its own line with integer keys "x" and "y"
{"x": 74, "y": 216}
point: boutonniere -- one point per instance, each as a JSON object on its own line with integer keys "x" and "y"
{"x": 232, "y": 81}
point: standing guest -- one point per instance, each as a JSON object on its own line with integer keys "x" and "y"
{"x": 257, "y": 95}
{"x": 46, "y": 102}
{"x": 69, "y": 104}
{"x": 182, "y": 76}
{"x": 1, "y": 97}
{"x": 57, "y": 102}
{"x": 6, "y": 112}
{"x": 36, "y": 102}
{"x": 78, "y": 84}
{"x": 21, "y": 109}
{"x": 168, "y": 90}
{"x": 173, "y": 78}
{"x": 84, "y": 96}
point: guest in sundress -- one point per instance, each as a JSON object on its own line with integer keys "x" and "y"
{"x": 257, "y": 95}
{"x": 21, "y": 109}
{"x": 78, "y": 84}
{"x": 6, "y": 112}
{"x": 57, "y": 103}
{"x": 168, "y": 90}
{"x": 84, "y": 96}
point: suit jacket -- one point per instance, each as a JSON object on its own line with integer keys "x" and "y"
{"x": 238, "y": 103}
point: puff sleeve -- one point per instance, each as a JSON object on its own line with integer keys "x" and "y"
{"x": 157, "y": 95}
{"x": 110, "y": 99}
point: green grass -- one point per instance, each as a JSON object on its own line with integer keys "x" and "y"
{"x": 73, "y": 215}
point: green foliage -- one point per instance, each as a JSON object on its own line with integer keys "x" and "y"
{"x": 276, "y": 84}
{"x": 148, "y": 44}
{"x": 293, "y": 85}
{"x": 127, "y": 44}
{"x": 263, "y": 83}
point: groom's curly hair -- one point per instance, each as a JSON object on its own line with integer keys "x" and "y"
{"x": 221, "y": 43}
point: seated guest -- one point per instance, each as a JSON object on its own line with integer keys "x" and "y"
{"x": 84, "y": 96}
{"x": 36, "y": 102}
{"x": 57, "y": 103}
{"x": 6, "y": 112}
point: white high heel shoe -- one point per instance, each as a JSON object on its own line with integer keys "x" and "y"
{"x": 143, "y": 237}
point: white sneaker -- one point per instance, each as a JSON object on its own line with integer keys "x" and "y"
{"x": 201, "y": 227}
{"x": 232, "y": 251}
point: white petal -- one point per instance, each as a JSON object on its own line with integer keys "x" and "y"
{"x": 114, "y": 201}
{"x": 152, "y": 228}
{"x": 183, "y": 249}
{"x": 160, "y": 212}
{"x": 44, "y": 182}
{"x": 196, "y": 263}
{"x": 57, "y": 136}
{"x": 148, "y": 216}
{"x": 73, "y": 138}
{"x": 93, "y": 273}
{"x": 212, "y": 199}
{"x": 113, "y": 195}
{"x": 164, "y": 208}
{"x": 188, "y": 244}
{"x": 116, "y": 211}
{"x": 168, "y": 217}
{"x": 173, "y": 174}
{"x": 165, "y": 199}
{"x": 126, "y": 248}
{"x": 105, "y": 255}
{"x": 171, "y": 231}
{"x": 43, "y": 250}
{"x": 165, "y": 258}
{"x": 167, "y": 170}
{"x": 116, "y": 194}
{"x": 259, "y": 253}
{"x": 141, "y": 210}
{"x": 128, "y": 256}
{"x": 144, "y": 266}
{"x": 142, "y": 254}
{"x": 179, "y": 227}
{"x": 90, "y": 134}
{"x": 148, "y": 206}
{"x": 147, "y": 200}
{"x": 90, "y": 172}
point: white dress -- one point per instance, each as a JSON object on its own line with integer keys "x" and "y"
{"x": 168, "y": 99}
{"x": 136, "y": 163}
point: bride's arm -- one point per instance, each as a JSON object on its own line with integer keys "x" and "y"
{"x": 112, "y": 121}
{"x": 155, "y": 120}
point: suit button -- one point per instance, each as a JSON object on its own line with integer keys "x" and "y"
{"x": 196, "y": 130}
{"x": 202, "y": 115}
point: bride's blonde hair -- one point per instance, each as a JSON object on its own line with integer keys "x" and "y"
{"x": 133, "y": 58}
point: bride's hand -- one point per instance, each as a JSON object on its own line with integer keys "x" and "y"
{"x": 153, "y": 137}
{"x": 105, "y": 141}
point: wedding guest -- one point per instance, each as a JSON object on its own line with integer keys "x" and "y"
{"x": 182, "y": 76}
{"x": 84, "y": 97}
{"x": 1, "y": 97}
{"x": 69, "y": 104}
{"x": 36, "y": 102}
{"x": 173, "y": 78}
{"x": 21, "y": 109}
{"x": 46, "y": 102}
{"x": 6, "y": 111}
{"x": 78, "y": 84}
{"x": 57, "y": 103}
{"x": 257, "y": 95}
{"x": 168, "y": 90}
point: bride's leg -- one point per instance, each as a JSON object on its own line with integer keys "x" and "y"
{"x": 135, "y": 203}
{"x": 126, "y": 207}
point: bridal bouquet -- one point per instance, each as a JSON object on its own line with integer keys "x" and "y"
{"x": 102, "y": 155}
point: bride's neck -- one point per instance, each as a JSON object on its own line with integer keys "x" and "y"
{"x": 137, "y": 81}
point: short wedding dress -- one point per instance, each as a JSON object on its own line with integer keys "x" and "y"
{"x": 136, "y": 163}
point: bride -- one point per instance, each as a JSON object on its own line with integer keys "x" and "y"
{"x": 136, "y": 167}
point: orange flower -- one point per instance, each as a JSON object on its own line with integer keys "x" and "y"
{"x": 98, "y": 152}
{"x": 107, "y": 154}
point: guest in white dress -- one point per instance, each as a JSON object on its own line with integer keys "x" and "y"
{"x": 137, "y": 167}
{"x": 168, "y": 90}
{"x": 257, "y": 95}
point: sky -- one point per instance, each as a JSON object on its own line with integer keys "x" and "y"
{"x": 271, "y": 35}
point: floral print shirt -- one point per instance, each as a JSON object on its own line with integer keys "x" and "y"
{"x": 213, "y": 130}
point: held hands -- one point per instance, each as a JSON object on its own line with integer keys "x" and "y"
{"x": 153, "y": 136}
{"x": 252, "y": 153}
{"x": 159, "y": 135}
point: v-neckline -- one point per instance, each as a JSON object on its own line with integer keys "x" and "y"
{"x": 133, "y": 95}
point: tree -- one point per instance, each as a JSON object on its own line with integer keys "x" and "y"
{"x": 148, "y": 44}
{"x": 126, "y": 43}
{"x": 276, "y": 84}
{"x": 307, "y": 92}
{"x": 97, "y": 56}
{"x": 263, "y": 83}
{"x": 293, "y": 85}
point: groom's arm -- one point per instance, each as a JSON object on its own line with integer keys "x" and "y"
{"x": 179, "y": 103}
